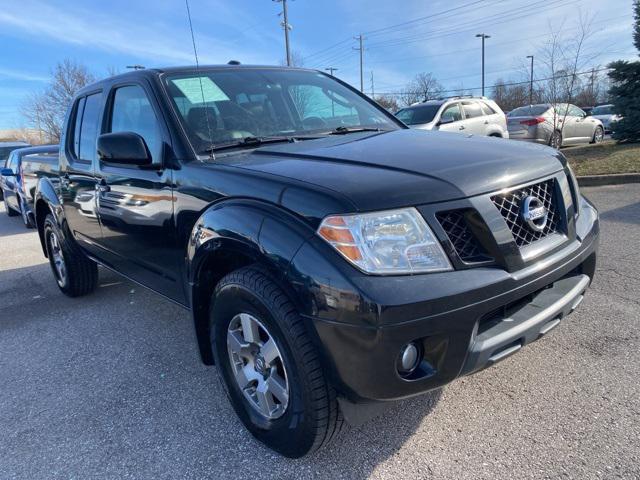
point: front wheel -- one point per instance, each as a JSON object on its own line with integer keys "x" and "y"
{"x": 598, "y": 135}
{"x": 74, "y": 272}
{"x": 269, "y": 366}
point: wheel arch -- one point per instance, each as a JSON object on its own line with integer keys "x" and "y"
{"x": 46, "y": 202}
{"x": 233, "y": 234}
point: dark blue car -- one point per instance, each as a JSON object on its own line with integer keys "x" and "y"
{"x": 20, "y": 175}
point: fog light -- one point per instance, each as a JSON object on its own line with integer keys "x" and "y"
{"x": 409, "y": 358}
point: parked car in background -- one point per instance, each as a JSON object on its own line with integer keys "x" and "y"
{"x": 607, "y": 115}
{"x": 470, "y": 115}
{"x": 19, "y": 178}
{"x": 5, "y": 149}
{"x": 586, "y": 110}
{"x": 558, "y": 126}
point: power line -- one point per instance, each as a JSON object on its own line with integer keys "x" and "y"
{"x": 503, "y": 17}
{"x": 510, "y": 42}
{"x": 392, "y": 27}
{"x": 512, "y": 84}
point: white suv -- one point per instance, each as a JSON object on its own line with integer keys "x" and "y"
{"x": 469, "y": 115}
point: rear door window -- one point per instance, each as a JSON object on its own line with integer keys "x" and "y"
{"x": 472, "y": 109}
{"x": 79, "y": 110}
{"x": 89, "y": 128}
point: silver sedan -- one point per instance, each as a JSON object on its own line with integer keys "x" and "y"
{"x": 560, "y": 125}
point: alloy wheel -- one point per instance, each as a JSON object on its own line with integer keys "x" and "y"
{"x": 57, "y": 259}
{"x": 598, "y": 136}
{"x": 258, "y": 366}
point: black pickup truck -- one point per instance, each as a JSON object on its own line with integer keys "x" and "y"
{"x": 333, "y": 259}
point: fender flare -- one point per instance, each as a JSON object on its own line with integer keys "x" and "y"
{"x": 46, "y": 200}
{"x": 233, "y": 233}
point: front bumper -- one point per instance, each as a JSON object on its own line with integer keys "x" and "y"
{"x": 463, "y": 320}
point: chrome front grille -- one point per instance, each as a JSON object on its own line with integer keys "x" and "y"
{"x": 509, "y": 205}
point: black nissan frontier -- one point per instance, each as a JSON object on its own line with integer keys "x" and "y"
{"x": 333, "y": 259}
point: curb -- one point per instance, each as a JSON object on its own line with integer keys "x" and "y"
{"x": 614, "y": 179}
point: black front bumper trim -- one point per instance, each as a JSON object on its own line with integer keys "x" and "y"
{"x": 534, "y": 319}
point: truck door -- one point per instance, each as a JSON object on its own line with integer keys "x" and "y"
{"x": 135, "y": 204}
{"x": 77, "y": 164}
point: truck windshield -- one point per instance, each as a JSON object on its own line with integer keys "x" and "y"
{"x": 226, "y": 106}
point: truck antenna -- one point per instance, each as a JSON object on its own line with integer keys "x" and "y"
{"x": 195, "y": 53}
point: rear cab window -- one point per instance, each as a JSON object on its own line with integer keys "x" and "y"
{"x": 81, "y": 143}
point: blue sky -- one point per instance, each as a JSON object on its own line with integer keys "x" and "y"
{"x": 35, "y": 34}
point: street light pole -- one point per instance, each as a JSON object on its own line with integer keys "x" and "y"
{"x": 483, "y": 36}
{"x": 531, "y": 82}
{"x": 331, "y": 70}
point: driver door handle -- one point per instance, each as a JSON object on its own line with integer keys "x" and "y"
{"x": 462, "y": 127}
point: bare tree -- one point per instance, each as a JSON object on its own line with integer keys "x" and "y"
{"x": 423, "y": 87}
{"x": 388, "y": 102}
{"x": 564, "y": 57}
{"x": 46, "y": 110}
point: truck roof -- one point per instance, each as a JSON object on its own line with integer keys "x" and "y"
{"x": 156, "y": 71}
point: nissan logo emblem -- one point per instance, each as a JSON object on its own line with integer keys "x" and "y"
{"x": 534, "y": 213}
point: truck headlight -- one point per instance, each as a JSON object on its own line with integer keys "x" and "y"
{"x": 389, "y": 242}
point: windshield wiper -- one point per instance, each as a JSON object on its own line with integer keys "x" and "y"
{"x": 252, "y": 142}
{"x": 342, "y": 130}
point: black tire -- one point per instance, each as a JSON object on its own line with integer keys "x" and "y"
{"x": 312, "y": 417}
{"x": 10, "y": 211}
{"x": 80, "y": 273}
{"x": 598, "y": 135}
{"x": 556, "y": 140}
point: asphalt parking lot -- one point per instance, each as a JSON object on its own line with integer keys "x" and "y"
{"x": 110, "y": 386}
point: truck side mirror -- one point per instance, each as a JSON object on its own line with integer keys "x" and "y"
{"x": 123, "y": 148}
{"x": 7, "y": 172}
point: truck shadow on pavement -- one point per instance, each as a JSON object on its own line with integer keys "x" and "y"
{"x": 625, "y": 214}
{"x": 116, "y": 374}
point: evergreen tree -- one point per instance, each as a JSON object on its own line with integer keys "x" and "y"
{"x": 625, "y": 90}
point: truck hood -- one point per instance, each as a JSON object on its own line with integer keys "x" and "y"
{"x": 403, "y": 167}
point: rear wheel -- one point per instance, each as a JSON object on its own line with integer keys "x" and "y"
{"x": 269, "y": 366}
{"x": 556, "y": 140}
{"x": 10, "y": 211}
{"x": 598, "y": 135}
{"x": 74, "y": 272}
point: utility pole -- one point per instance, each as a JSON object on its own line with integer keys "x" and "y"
{"x": 484, "y": 37}
{"x": 136, "y": 67}
{"x": 331, "y": 70}
{"x": 373, "y": 95}
{"x": 360, "y": 49}
{"x": 286, "y": 27}
{"x": 531, "y": 82}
